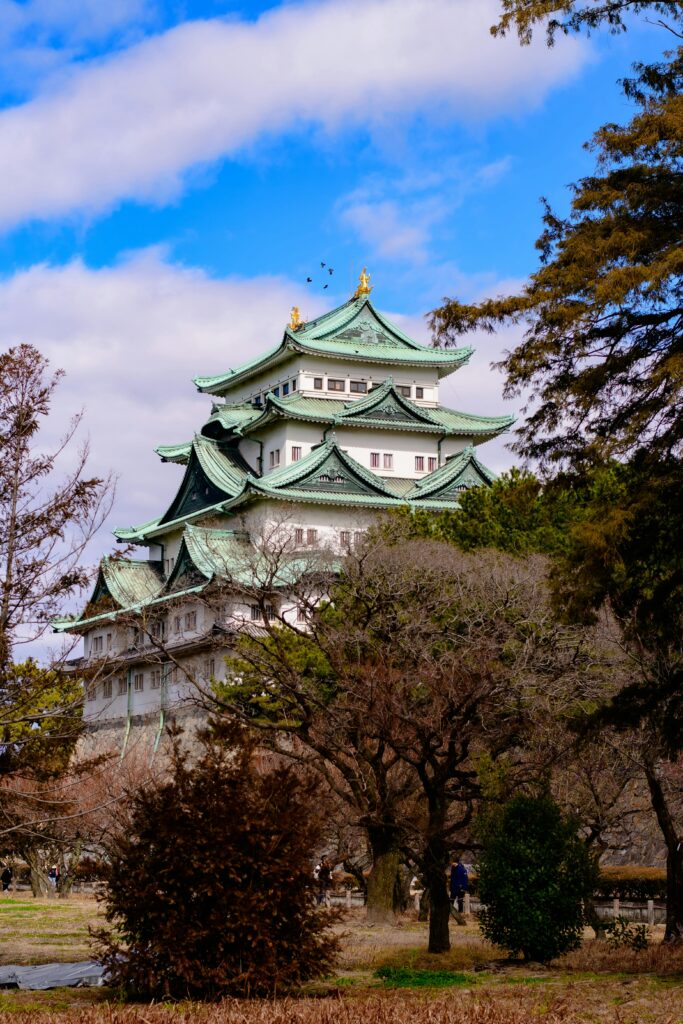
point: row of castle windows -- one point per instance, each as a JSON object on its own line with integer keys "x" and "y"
{"x": 154, "y": 677}
{"x": 387, "y": 460}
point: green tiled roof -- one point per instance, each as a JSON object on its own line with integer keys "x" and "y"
{"x": 383, "y": 408}
{"x": 458, "y": 473}
{"x": 356, "y": 332}
{"x": 174, "y": 452}
{"x": 131, "y": 581}
{"x": 327, "y": 469}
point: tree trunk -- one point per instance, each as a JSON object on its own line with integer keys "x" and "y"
{"x": 673, "y": 932}
{"x": 40, "y": 885}
{"x": 385, "y": 863}
{"x": 439, "y": 907}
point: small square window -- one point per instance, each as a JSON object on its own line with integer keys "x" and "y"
{"x": 335, "y": 385}
{"x": 419, "y": 392}
{"x": 177, "y": 624}
{"x": 211, "y": 668}
{"x": 345, "y": 538}
{"x": 298, "y": 535}
{"x": 190, "y": 620}
{"x": 300, "y": 614}
{"x": 255, "y": 613}
{"x": 388, "y": 461}
{"x": 404, "y": 390}
{"x": 294, "y": 385}
{"x": 274, "y": 458}
{"x": 317, "y": 383}
{"x": 109, "y": 641}
{"x": 276, "y": 392}
{"x": 419, "y": 463}
{"x": 270, "y": 613}
{"x": 285, "y": 389}
{"x": 431, "y": 463}
{"x": 296, "y": 452}
{"x": 106, "y": 688}
{"x": 311, "y": 536}
{"x": 358, "y": 537}
{"x": 123, "y": 687}
{"x": 358, "y": 387}
{"x": 374, "y": 460}
{"x": 138, "y": 682}
{"x": 97, "y": 644}
{"x": 155, "y": 679}
{"x": 91, "y": 692}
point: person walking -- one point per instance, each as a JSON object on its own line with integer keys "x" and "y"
{"x": 324, "y": 882}
{"x": 6, "y": 877}
{"x": 459, "y": 884}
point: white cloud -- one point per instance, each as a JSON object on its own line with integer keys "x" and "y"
{"x": 133, "y": 124}
{"x": 395, "y": 218}
{"x": 130, "y": 338}
{"x": 39, "y": 37}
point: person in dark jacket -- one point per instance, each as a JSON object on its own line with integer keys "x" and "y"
{"x": 6, "y": 878}
{"x": 459, "y": 884}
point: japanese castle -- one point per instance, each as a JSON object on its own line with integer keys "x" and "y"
{"x": 338, "y": 422}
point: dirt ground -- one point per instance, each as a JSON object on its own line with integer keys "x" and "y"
{"x": 384, "y": 975}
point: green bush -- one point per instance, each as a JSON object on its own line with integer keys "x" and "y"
{"x": 534, "y": 874}
{"x": 625, "y": 934}
{"x": 631, "y": 883}
{"x": 209, "y": 887}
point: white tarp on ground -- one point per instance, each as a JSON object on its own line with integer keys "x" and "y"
{"x": 44, "y": 976}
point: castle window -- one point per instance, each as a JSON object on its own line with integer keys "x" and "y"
{"x": 106, "y": 688}
{"x": 190, "y": 620}
{"x": 318, "y": 383}
{"x": 419, "y": 392}
{"x": 296, "y": 452}
{"x": 358, "y": 387}
{"x": 138, "y": 682}
{"x": 212, "y": 668}
{"x": 285, "y": 389}
{"x": 274, "y": 458}
{"x": 123, "y": 686}
{"x": 374, "y": 460}
{"x": 301, "y": 614}
{"x": 276, "y": 392}
{"x": 177, "y": 624}
{"x": 270, "y": 613}
{"x": 335, "y": 385}
{"x": 311, "y": 536}
{"x": 345, "y": 538}
{"x": 91, "y": 692}
{"x": 358, "y": 537}
{"x": 388, "y": 461}
{"x": 419, "y": 463}
{"x": 431, "y": 463}
{"x": 403, "y": 390}
{"x": 298, "y": 535}
{"x": 294, "y": 385}
{"x": 97, "y": 644}
{"x": 255, "y": 612}
{"x": 155, "y": 678}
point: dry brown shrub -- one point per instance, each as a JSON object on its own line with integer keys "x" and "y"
{"x": 373, "y": 1010}
{"x": 597, "y": 957}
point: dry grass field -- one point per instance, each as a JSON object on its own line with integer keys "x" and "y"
{"x": 384, "y": 976}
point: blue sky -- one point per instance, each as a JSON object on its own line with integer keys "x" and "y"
{"x": 173, "y": 171}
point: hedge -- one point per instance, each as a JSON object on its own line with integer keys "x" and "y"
{"x": 632, "y": 883}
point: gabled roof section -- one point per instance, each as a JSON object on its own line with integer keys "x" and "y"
{"x": 355, "y": 331}
{"x": 384, "y": 407}
{"x": 213, "y": 474}
{"x": 207, "y": 552}
{"x": 126, "y": 582}
{"x": 459, "y": 473}
{"x": 328, "y": 470}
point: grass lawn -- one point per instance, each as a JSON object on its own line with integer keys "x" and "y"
{"x": 384, "y": 976}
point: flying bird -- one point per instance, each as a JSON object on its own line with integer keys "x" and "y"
{"x": 330, "y": 270}
{"x": 322, "y": 264}
{"x": 308, "y": 280}
{"x": 324, "y": 287}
